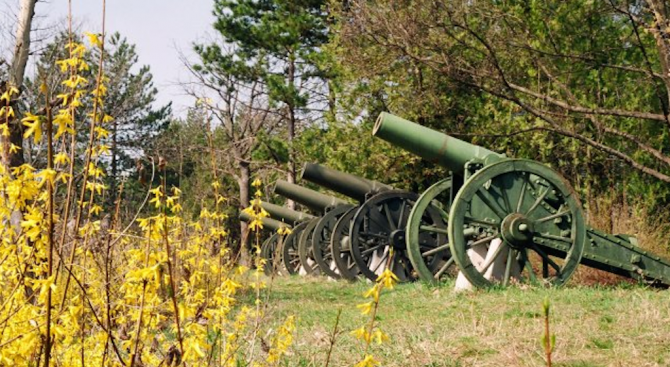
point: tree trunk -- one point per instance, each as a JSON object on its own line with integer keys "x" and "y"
{"x": 243, "y": 182}
{"x": 16, "y": 73}
{"x": 291, "y": 126}
{"x": 115, "y": 162}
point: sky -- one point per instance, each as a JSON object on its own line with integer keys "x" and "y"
{"x": 160, "y": 29}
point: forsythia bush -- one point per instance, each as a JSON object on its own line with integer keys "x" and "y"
{"x": 81, "y": 290}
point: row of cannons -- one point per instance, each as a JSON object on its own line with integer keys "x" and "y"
{"x": 493, "y": 220}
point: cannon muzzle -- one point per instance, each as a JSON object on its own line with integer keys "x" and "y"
{"x": 312, "y": 199}
{"x": 344, "y": 183}
{"x": 285, "y": 214}
{"x": 268, "y": 223}
{"x": 429, "y": 144}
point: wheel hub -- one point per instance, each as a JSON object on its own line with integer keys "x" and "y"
{"x": 397, "y": 239}
{"x": 517, "y": 229}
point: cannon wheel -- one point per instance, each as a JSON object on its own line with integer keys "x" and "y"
{"x": 427, "y": 244}
{"x": 379, "y": 226}
{"x": 321, "y": 250}
{"x": 340, "y": 246}
{"x": 270, "y": 252}
{"x": 290, "y": 255}
{"x": 305, "y": 248}
{"x": 535, "y": 214}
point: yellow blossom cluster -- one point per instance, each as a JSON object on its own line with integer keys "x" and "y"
{"x": 162, "y": 290}
{"x": 371, "y": 332}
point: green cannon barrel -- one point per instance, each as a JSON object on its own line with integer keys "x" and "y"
{"x": 268, "y": 223}
{"x": 346, "y": 184}
{"x": 285, "y": 214}
{"x": 429, "y": 144}
{"x": 312, "y": 199}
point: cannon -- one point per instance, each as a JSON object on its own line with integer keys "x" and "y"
{"x": 377, "y": 225}
{"x": 270, "y": 247}
{"x": 511, "y": 220}
{"x": 316, "y": 231}
{"x": 299, "y": 221}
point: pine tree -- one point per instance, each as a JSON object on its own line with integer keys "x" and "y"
{"x": 277, "y": 42}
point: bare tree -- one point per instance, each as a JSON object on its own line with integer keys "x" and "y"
{"x": 241, "y": 110}
{"x": 16, "y": 73}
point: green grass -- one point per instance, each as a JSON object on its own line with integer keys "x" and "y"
{"x": 435, "y": 327}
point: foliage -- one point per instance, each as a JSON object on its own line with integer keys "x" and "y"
{"x": 575, "y": 84}
{"x": 275, "y": 43}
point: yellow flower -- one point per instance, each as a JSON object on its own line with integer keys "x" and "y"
{"x": 61, "y": 158}
{"x": 94, "y": 39}
{"x": 366, "y": 308}
{"x": 379, "y": 336}
{"x": 8, "y": 111}
{"x": 256, "y": 225}
{"x": 34, "y": 125}
{"x": 14, "y": 148}
{"x": 95, "y": 209}
{"x": 388, "y": 279}
{"x": 284, "y": 231}
{"x": 8, "y": 94}
{"x": 361, "y": 333}
{"x": 257, "y": 183}
{"x": 373, "y": 293}
{"x": 368, "y": 361}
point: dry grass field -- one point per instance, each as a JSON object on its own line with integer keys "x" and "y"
{"x": 628, "y": 325}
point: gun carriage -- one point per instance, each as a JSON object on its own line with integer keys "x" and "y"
{"x": 376, "y": 226}
{"x": 316, "y": 231}
{"x": 270, "y": 246}
{"x": 299, "y": 221}
{"x": 511, "y": 220}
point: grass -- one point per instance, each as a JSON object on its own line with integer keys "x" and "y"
{"x": 434, "y": 327}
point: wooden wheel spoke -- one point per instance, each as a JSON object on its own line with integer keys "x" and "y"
{"x": 444, "y": 268}
{"x": 375, "y": 235}
{"x": 371, "y": 249}
{"x": 523, "y": 193}
{"x": 508, "y": 266}
{"x": 389, "y": 219}
{"x": 435, "y": 250}
{"x": 471, "y": 220}
{"x": 490, "y": 202}
{"x": 403, "y": 264}
{"x": 508, "y": 205}
{"x": 381, "y": 261}
{"x": 538, "y": 201}
{"x": 545, "y": 258}
{"x": 482, "y": 241}
{"x": 494, "y": 257}
{"x": 553, "y": 216}
{"x": 434, "y": 229}
{"x": 401, "y": 217}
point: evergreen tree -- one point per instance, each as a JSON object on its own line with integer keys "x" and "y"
{"x": 130, "y": 99}
{"x": 277, "y": 42}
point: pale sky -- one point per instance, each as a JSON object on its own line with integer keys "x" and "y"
{"x": 160, "y": 29}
